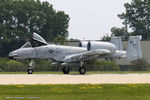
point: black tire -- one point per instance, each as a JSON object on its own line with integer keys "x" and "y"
{"x": 66, "y": 70}
{"x": 30, "y": 71}
{"x": 82, "y": 70}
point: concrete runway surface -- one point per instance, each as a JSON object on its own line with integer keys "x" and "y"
{"x": 74, "y": 79}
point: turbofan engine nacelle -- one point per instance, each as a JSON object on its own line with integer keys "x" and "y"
{"x": 83, "y": 44}
{"x": 92, "y": 45}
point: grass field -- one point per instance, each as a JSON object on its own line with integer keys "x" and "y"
{"x": 75, "y": 92}
{"x": 88, "y": 72}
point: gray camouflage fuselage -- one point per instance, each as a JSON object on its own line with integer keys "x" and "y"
{"x": 53, "y": 52}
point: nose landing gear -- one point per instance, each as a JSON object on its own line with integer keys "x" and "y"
{"x": 30, "y": 69}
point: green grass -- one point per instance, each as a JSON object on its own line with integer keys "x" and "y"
{"x": 76, "y": 92}
{"x": 76, "y": 72}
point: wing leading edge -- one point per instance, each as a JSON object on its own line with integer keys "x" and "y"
{"x": 85, "y": 55}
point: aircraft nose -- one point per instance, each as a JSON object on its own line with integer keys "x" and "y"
{"x": 11, "y": 55}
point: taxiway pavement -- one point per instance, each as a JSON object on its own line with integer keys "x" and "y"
{"x": 7, "y": 79}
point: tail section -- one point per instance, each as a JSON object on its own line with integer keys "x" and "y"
{"x": 134, "y": 51}
{"x": 117, "y": 42}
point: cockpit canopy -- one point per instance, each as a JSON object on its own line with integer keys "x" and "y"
{"x": 38, "y": 38}
{"x": 36, "y": 41}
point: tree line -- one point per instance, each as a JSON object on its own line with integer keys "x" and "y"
{"x": 20, "y": 18}
{"x": 136, "y": 17}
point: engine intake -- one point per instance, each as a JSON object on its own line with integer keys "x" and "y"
{"x": 83, "y": 44}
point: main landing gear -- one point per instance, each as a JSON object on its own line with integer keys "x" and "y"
{"x": 30, "y": 69}
{"x": 66, "y": 70}
{"x": 82, "y": 69}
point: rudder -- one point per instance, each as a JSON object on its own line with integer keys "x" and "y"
{"x": 117, "y": 42}
{"x": 134, "y": 50}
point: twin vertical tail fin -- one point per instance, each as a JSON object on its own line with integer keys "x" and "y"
{"x": 134, "y": 51}
{"x": 117, "y": 42}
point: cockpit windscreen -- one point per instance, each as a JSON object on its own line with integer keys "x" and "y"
{"x": 26, "y": 45}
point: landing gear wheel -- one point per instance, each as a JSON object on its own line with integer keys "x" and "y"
{"x": 82, "y": 70}
{"x": 66, "y": 70}
{"x": 30, "y": 71}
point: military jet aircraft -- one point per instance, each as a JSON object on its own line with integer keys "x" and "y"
{"x": 67, "y": 55}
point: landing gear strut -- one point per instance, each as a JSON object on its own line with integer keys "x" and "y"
{"x": 82, "y": 69}
{"x": 66, "y": 70}
{"x": 30, "y": 69}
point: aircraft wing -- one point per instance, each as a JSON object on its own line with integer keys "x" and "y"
{"x": 85, "y": 55}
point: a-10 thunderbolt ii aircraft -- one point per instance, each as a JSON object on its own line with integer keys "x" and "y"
{"x": 67, "y": 55}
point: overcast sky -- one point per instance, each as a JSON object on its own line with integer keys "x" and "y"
{"x": 91, "y": 19}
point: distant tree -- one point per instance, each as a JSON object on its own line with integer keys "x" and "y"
{"x": 117, "y": 32}
{"x": 121, "y": 32}
{"x": 137, "y": 16}
{"x": 106, "y": 38}
{"x": 74, "y": 40}
{"x": 60, "y": 40}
